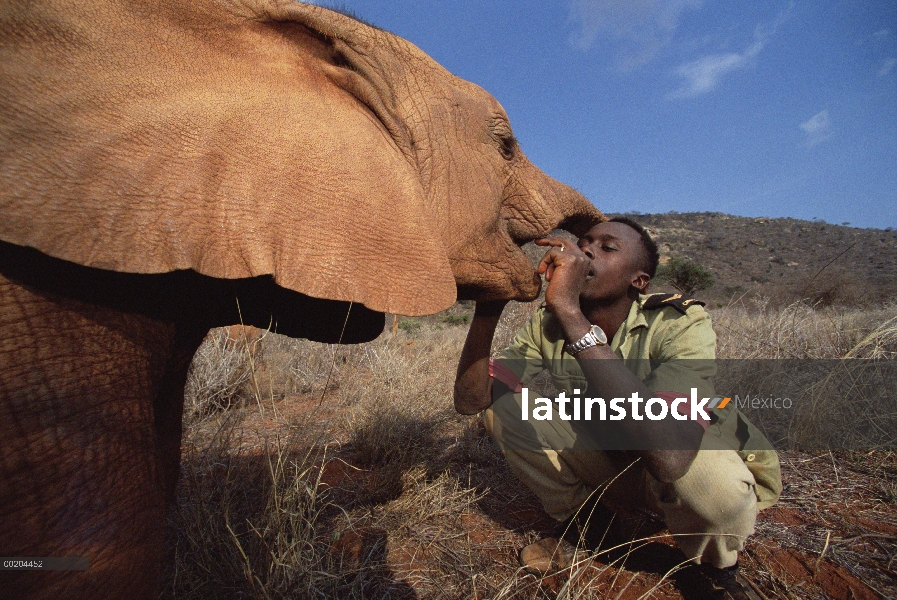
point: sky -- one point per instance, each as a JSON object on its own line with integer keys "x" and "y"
{"x": 763, "y": 108}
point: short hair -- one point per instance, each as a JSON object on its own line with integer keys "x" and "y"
{"x": 652, "y": 256}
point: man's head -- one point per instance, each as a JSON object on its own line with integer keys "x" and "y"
{"x": 624, "y": 259}
{"x": 650, "y": 254}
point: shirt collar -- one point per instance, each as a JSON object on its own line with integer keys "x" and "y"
{"x": 634, "y": 320}
{"x": 636, "y": 316}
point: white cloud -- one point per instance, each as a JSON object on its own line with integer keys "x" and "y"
{"x": 887, "y": 66}
{"x": 704, "y": 74}
{"x": 644, "y": 26}
{"x": 817, "y": 128}
{"x": 878, "y": 36}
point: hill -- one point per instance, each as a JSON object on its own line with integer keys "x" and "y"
{"x": 783, "y": 259}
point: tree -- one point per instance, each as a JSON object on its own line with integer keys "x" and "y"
{"x": 685, "y": 275}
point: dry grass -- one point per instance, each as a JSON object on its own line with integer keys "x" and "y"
{"x": 756, "y": 330}
{"x": 317, "y": 471}
{"x": 801, "y": 348}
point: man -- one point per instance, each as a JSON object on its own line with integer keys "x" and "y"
{"x": 601, "y": 336}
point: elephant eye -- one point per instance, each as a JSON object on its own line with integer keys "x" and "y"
{"x": 500, "y": 132}
{"x": 507, "y": 145}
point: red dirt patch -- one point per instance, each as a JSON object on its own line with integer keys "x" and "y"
{"x": 349, "y": 548}
{"x": 477, "y": 528}
{"x": 336, "y": 471}
{"x": 605, "y": 581}
{"x": 785, "y": 516}
{"x": 527, "y": 517}
{"x": 876, "y": 526}
{"x": 833, "y": 579}
{"x": 408, "y": 561}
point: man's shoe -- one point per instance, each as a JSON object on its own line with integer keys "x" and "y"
{"x": 722, "y": 584}
{"x": 549, "y": 555}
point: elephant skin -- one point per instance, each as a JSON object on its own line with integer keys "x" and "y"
{"x": 170, "y": 167}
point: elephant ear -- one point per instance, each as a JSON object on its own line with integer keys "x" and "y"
{"x": 236, "y": 144}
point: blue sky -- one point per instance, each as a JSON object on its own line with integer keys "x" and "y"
{"x": 762, "y": 108}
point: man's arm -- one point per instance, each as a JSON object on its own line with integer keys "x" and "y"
{"x": 473, "y": 385}
{"x": 608, "y": 377}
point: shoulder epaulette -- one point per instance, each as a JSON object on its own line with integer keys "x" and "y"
{"x": 677, "y": 301}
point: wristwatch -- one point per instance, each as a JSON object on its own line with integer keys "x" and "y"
{"x": 593, "y": 337}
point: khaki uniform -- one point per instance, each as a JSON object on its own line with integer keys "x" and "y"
{"x": 670, "y": 347}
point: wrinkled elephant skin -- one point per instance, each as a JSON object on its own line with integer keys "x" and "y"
{"x": 160, "y": 162}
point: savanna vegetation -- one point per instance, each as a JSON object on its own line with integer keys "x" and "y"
{"x": 318, "y": 471}
{"x": 324, "y": 471}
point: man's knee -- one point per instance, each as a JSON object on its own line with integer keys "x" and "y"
{"x": 712, "y": 508}
{"x": 500, "y": 422}
{"x": 718, "y": 487}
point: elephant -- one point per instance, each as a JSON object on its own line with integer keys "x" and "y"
{"x": 170, "y": 167}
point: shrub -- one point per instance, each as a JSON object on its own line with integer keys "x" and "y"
{"x": 456, "y": 319}
{"x": 685, "y": 275}
{"x": 409, "y": 325}
{"x": 835, "y": 287}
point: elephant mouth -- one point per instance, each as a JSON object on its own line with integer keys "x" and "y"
{"x": 498, "y": 267}
{"x": 503, "y": 272}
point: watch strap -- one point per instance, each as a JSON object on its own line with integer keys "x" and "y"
{"x": 593, "y": 337}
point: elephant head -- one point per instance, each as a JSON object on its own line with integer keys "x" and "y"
{"x": 240, "y": 139}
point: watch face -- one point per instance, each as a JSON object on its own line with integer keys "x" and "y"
{"x": 599, "y": 335}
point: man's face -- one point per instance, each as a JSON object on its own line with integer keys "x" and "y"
{"x": 617, "y": 257}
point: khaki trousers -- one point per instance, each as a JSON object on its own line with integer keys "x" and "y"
{"x": 711, "y": 510}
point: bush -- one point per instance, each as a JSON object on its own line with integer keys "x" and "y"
{"x": 456, "y": 319}
{"x": 685, "y": 275}
{"x": 836, "y": 287}
{"x": 409, "y": 325}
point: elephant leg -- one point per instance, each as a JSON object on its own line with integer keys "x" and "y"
{"x": 168, "y": 408}
{"x": 80, "y": 471}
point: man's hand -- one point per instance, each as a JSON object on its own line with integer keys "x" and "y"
{"x": 566, "y": 269}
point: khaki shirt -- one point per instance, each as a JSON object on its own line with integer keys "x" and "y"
{"x": 653, "y": 344}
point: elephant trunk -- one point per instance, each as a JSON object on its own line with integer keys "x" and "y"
{"x": 574, "y": 211}
{"x": 473, "y": 389}
{"x": 559, "y": 207}
{"x": 541, "y": 204}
